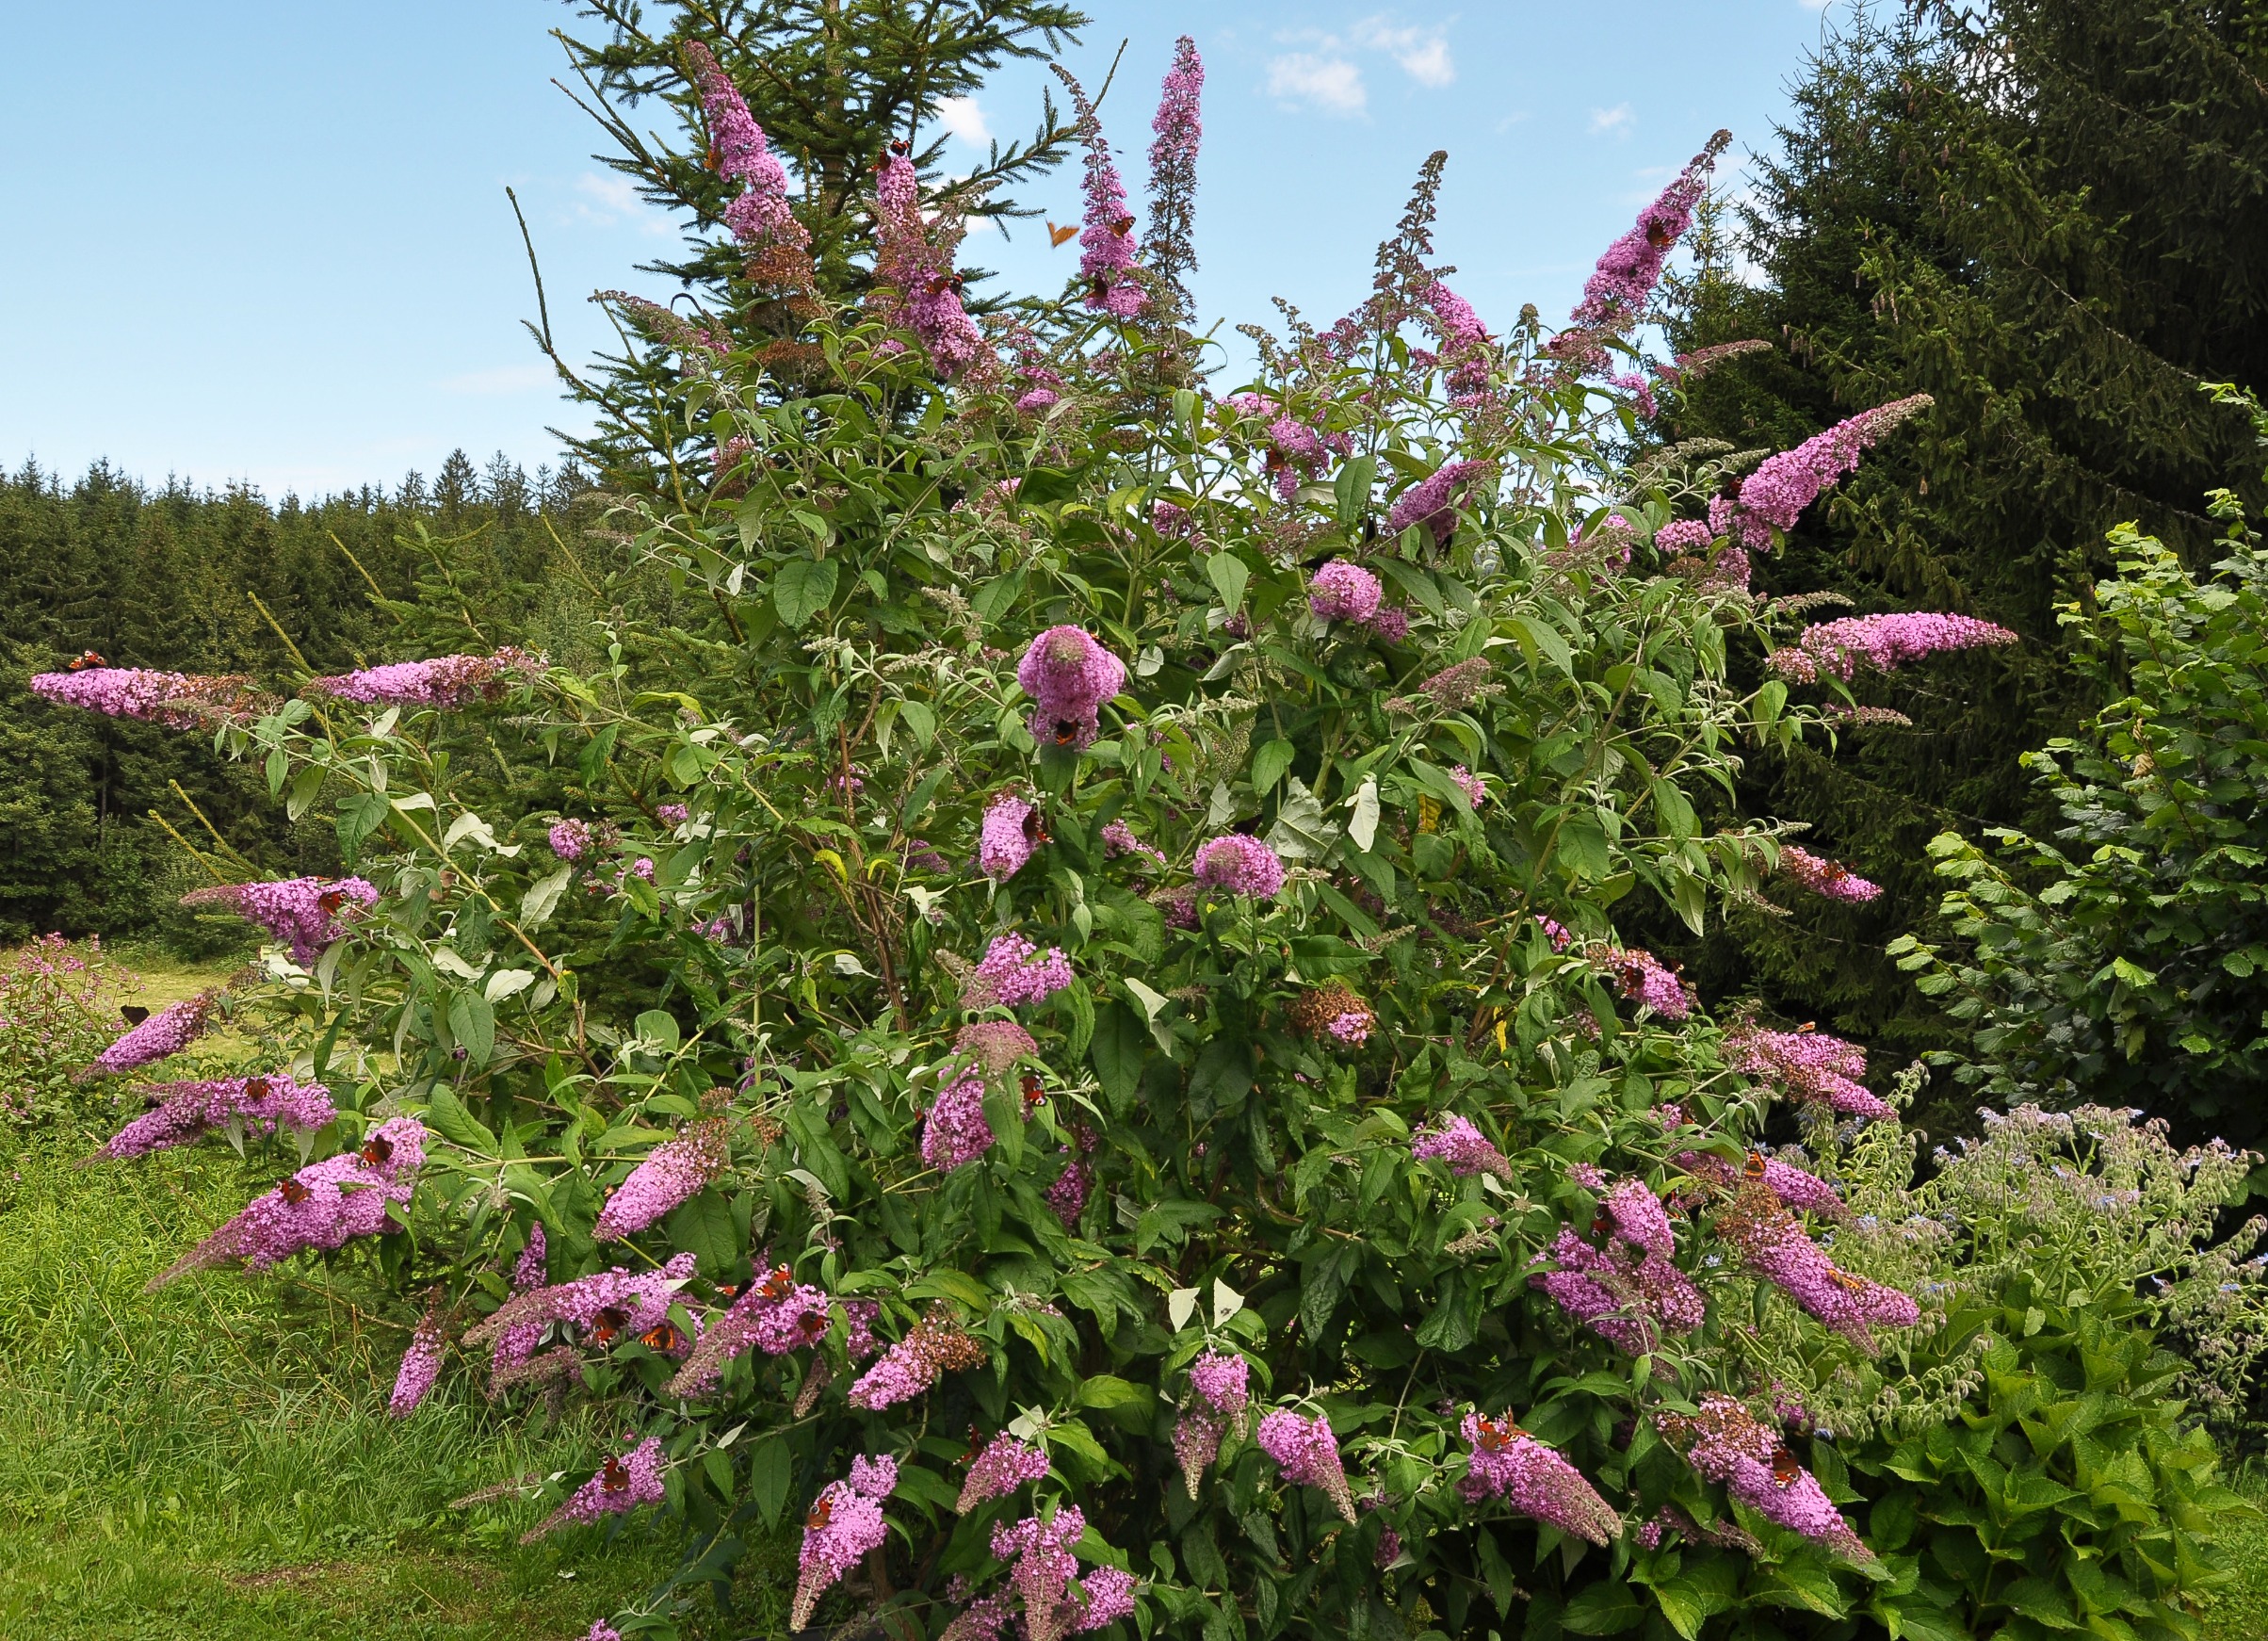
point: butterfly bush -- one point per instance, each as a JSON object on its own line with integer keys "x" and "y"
{"x": 175, "y": 700}
{"x": 305, "y": 913}
{"x": 1017, "y": 965}
{"x": 185, "y": 1111}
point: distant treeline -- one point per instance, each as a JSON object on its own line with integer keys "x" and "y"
{"x": 225, "y": 581}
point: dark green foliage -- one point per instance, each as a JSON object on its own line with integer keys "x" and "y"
{"x": 2049, "y": 221}
{"x": 2127, "y": 960}
{"x": 169, "y": 579}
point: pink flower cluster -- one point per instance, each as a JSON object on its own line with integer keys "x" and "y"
{"x": 319, "y": 1206}
{"x": 1010, "y": 836}
{"x": 1464, "y": 341}
{"x": 420, "y": 1364}
{"x": 846, "y": 1522}
{"x": 1005, "y": 1465}
{"x": 1306, "y": 1453}
{"x": 1773, "y": 1247}
{"x": 571, "y": 840}
{"x": 1507, "y": 1463}
{"x": 1238, "y": 865}
{"x": 1884, "y": 642}
{"x": 1224, "y": 1391}
{"x": 162, "y": 1034}
{"x": 1628, "y": 1290}
{"x": 620, "y": 1486}
{"x": 1223, "y": 1379}
{"x": 1344, "y": 591}
{"x": 1779, "y": 490}
{"x": 1429, "y": 501}
{"x": 1464, "y": 1147}
{"x": 1173, "y": 522}
{"x": 672, "y": 1173}
{"x": 606, "y": 1308}
{"x": 993, "y": 1045}
{"x": 1825, "y": 877}
{"x": 1106, "y": 241}
{"x": 308, "y": 913}
{"x": 1732, "y": 1446}
{"x": 1808, "y": 1067}
{"x": 176, "y": 700}
{"x": 1042, "y": 1572}
{"x": 1614, "y": 297}
{"x": 1068, "y": 1196}
{"x": 930, "y": 1349}
{"x": 760, "y": 215}
{"x": 1118, "y": 838}
{"x": 1069, "y": 676}
{"x": 1014, "y": 971}
{"x": 189, "y": 1110}
{"x": 1644, "y": 980}
{"x": 775, "y": 1314}
{"x": 1683, "y": 535}
{"x": 1795, "y": 1188}
{"x": 446, "y": 681}
{"x": 928, "y": 290}
{"x": 1177, "y": 132}
{"x": 956, "y": 1131}
{"x": 1469, "y": 784}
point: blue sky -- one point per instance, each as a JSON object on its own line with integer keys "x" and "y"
{"x": 270, "y": 241}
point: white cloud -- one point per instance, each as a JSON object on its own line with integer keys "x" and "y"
{"x": 604, "y": 201}
{"x": 501, "y": 379}
{"x": 963, "y": 118}
{"x": 1618, "y": 118}
{"x": 1422, "y": 52}
{"x": 1329, "y": 82}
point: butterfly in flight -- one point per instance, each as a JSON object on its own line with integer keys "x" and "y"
{"x": 1060, "y": 235}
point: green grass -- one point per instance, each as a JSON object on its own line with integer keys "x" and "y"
{"x": 2241, "y": 1611}
{"x": 215, "y": 1460}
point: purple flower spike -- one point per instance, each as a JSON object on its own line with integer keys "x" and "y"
{"x": 1731, "y": 1445}
{"x": 1170, "y": 250}
{"x": 1106, "y": 241}
{"x": 760, "y": 217}
{"x": 188, "y": 1110}
{"x": 1238, "y": 865}
{"x": 1779, "y": 490}
{"x": 621, "y": 1485}
{"x": 320, "y": 1206}
{"x": 448, "y": 682}
{"x": 1464, "y": 1147}
{"x": 670, "y": 1174}
{"x": 307, "y": 913}
{"x": 1011, "y": 837}
{"x": 955, "y": 1131}
{"x": 1883, "y": 643}
{"x": 1069, "y": 676}
{"x": 420, "y": 1364}
{"x": 1507, "y": 1463}
{"x": 1342, "y": 591}
{"x": 1223, "y": 1381}
{"x": 1614, "y": 297}
{"x": 1014, "y": 971}
{"x": 161, "y": 1035}
{"x": 846, "y": 1522}
{"x": 1429, "y": 502}
{"x": 1306, "y": 1452}
{"x": 176, "y": 700}
{"x": 1005, "y": 1465}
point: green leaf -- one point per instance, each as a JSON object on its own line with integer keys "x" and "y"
{"x": 703, "y": 1226}
{"x": 1229, "y": 573}
{"x": 771, "y": 1467}
{"x": 542, "y": 896}
{"x": 473, "y": 1024}
{"x": 1351, "y": 490}
{"x": 1607, "y": 1608}
{"x": 659, "y": 1025}
{"x": 802, "y": 588}
{"x": 358, "y": 817}
{"x": 1269, "y": 763}
{"x": 444, "y": 1113}
{"x": 1118, "y": 1048}
{"x": 921, "y": 719}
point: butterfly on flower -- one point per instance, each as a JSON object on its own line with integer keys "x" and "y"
{"x": 822, "y": 1512}
{"x": 1060, "y": 235}
{"x": 292, "y": 1192}
{"x": 1122, "y": 227}
{"x": 1753, "y": 1167}
{"x": 331, "y": 899}
{"x": 1035, "y": 829}
{"x": 1847, "y": 1282}
{"x": 86, "y": 659}
{"x": 256, "y": 1088}
{"x": 378, "y": 1150}
{"x": 608, "y": 1325}
{"x": 779, "y": 1282}
{"x": 615, "y": 1476}
{"x": 1498, "y": 1434}
{"x": 664, "y": 1337}
{"x": 1783, "y": 1467}
{"x": 1035, "y": 1092}
{"x": 976, "y": 1446}
{"x": 133, "y": 1014}
{"x": 1659, "y": 236}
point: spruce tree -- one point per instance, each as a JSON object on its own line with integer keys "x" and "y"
{"x": 2048, "y": 218}
{"x": 825, "y": 80}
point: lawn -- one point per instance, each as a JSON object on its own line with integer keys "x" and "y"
{"x": 216, "y": 1459}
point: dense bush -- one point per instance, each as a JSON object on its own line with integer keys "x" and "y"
{"x": 2127, "y": 959}
{"x": 58, "y": 1009}
{"x": 1069, "y": 1027}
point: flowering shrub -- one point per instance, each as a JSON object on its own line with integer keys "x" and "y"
{"x": 59, "y": 1008}
{"x": 1064, "y": 1040}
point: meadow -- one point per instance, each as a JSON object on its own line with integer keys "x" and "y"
{"x": 216, "y": 1459}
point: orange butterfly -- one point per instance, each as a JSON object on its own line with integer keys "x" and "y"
{"x": 607, "y": 1324}
{"x": 1035, "y": 1093}
{"x": 293, "y": 1192}
{"x": 1058, "y": 235}
{"x": 377, "y": 1149}
{"x": 615, "y": 1478}
{"x": 822, "y": 1513}
{"x": 1783, "y": 1467}
{"x": 663, "y": 1337}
